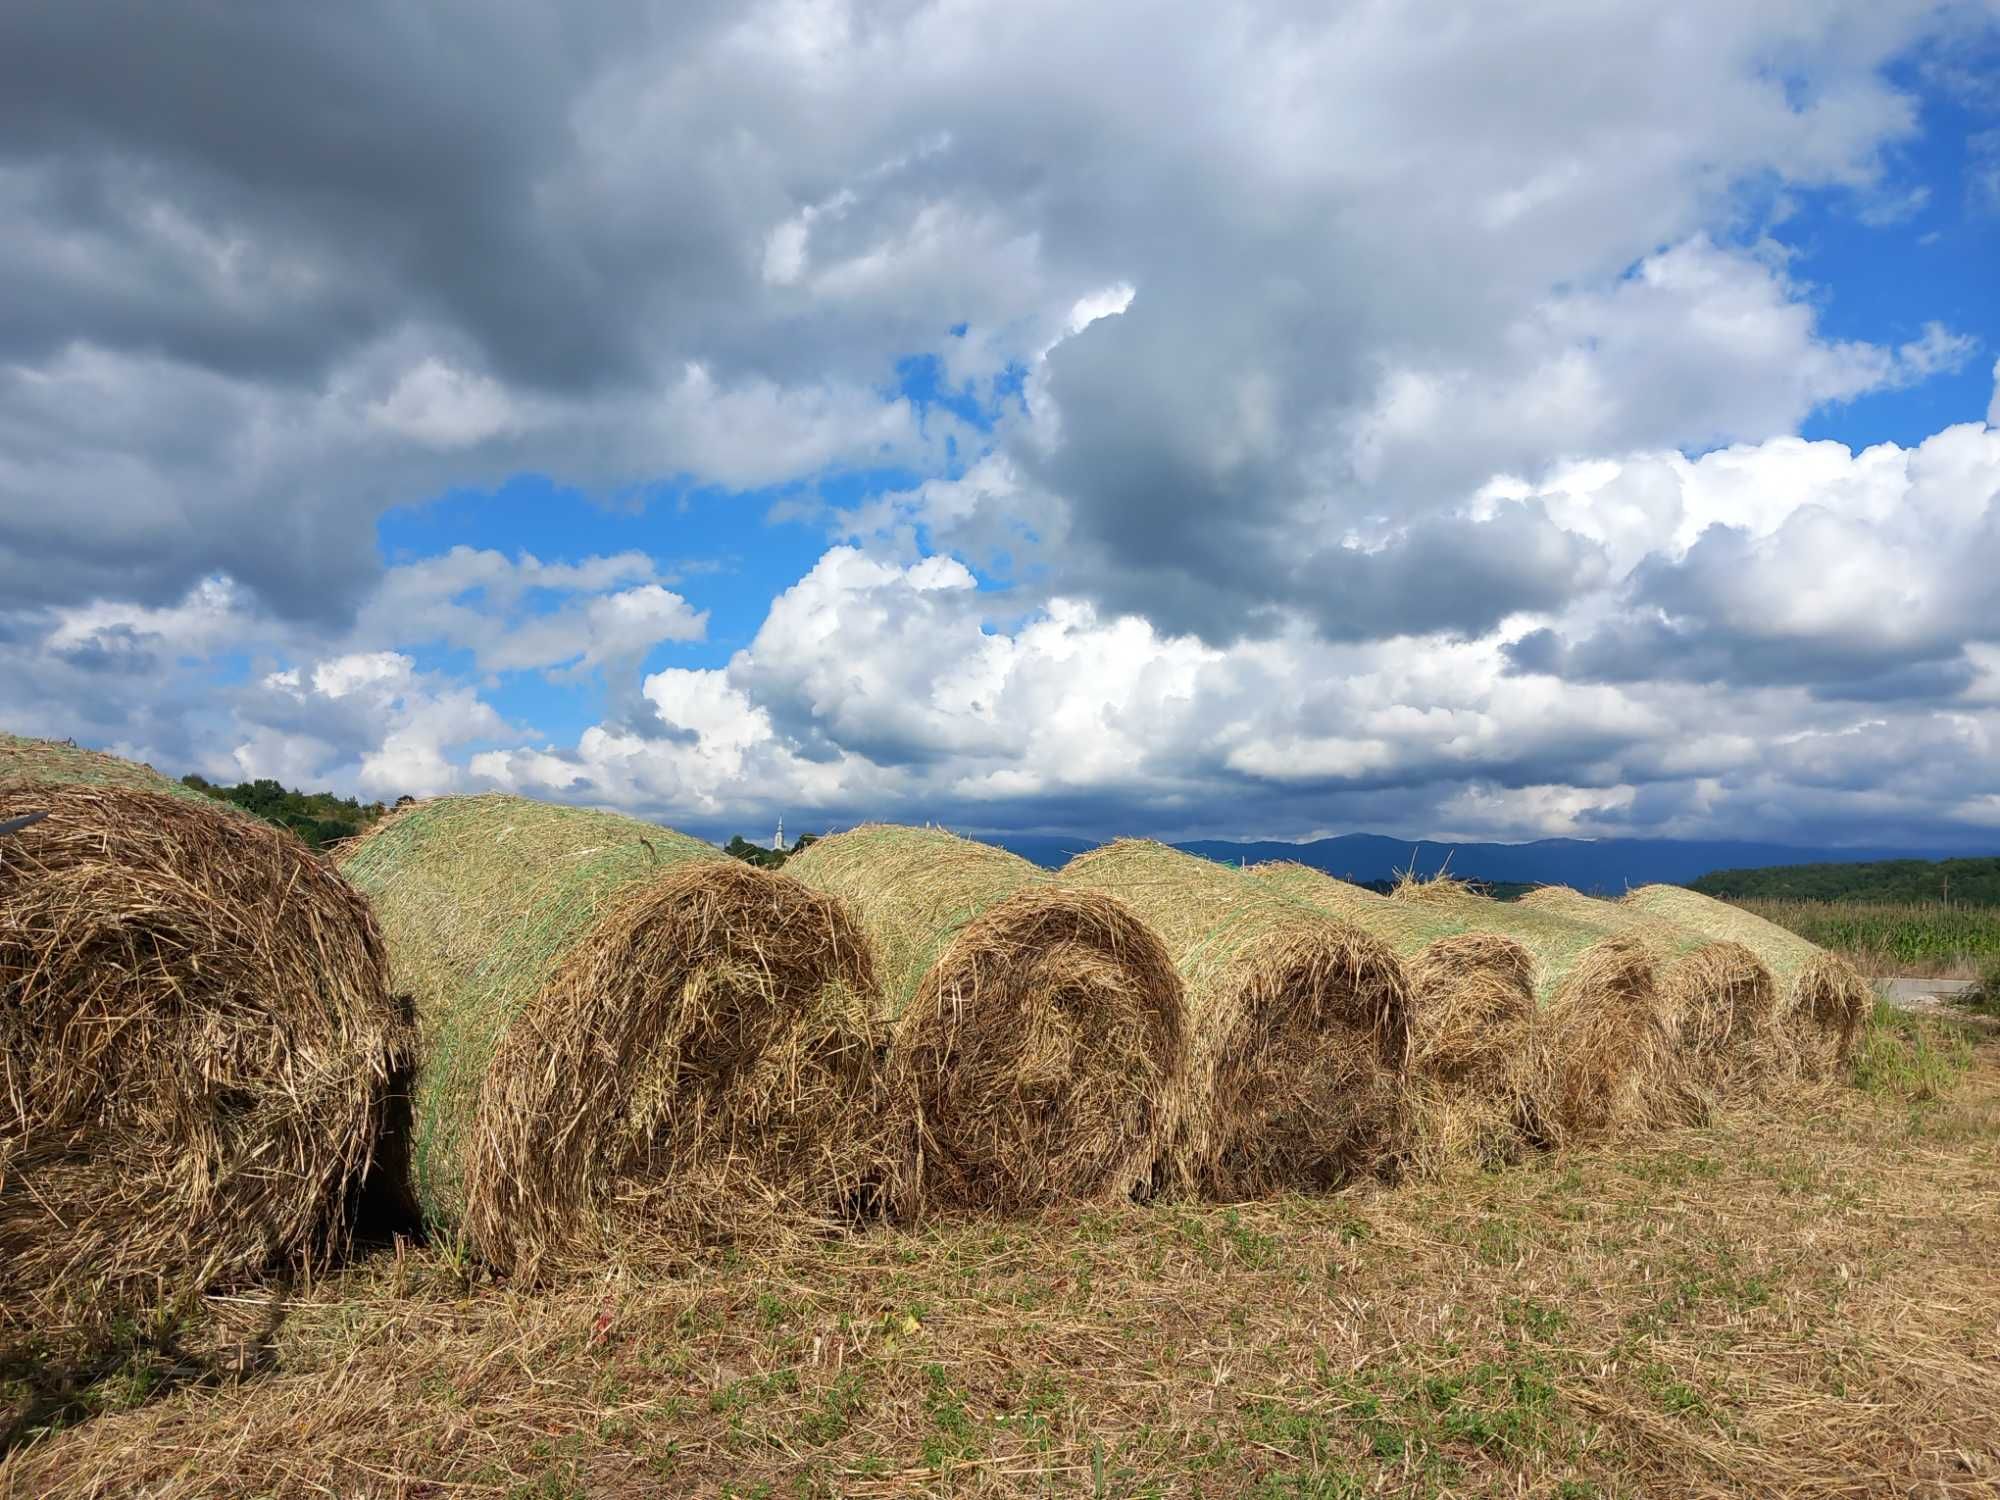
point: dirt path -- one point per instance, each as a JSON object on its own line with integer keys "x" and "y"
{"x": 1934, "y": 997}
{"x": 1905, "y": 991}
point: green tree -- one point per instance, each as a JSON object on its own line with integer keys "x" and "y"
{"x": 317, "y": 818}
{"x": 770, "y": 859}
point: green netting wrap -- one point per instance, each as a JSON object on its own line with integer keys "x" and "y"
{"x": 60, "y": 762}
{"x": 622, "y": 1029}
{"x": 1042, "y": 1028}
{"x": 915, "y": 889}
{"x": 1718, "y": 997}
{"x": 1821, "y": 999}
{"x": 1299, "y": 1024}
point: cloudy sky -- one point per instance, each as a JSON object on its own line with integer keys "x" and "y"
{"x": 1268, "y": 420}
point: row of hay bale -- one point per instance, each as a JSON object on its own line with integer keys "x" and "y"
{"x": 543, "y": 1026}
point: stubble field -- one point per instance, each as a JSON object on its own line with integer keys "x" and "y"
{"x": 1801, "y": 1299}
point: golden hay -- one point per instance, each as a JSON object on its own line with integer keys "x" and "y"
{"x": 1719, "y": 997}
{"x": 1822, "y": 999}
{"x": 622, "y": 1031}
{"x": 25, "y": 761}
{"x": 1042, "y": 1029}
{"x": 1440, "y": 890}
{"x": 1604, "y": 1047}
{"x": 196, "y": 1049}
{"x": 1472, "y": 1010}
{"x": 1299, "y": 1025}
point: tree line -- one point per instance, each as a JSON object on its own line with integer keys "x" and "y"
{"x": 767, "y": 859}
{"x": 319, "y": 818}
{"x": 1968, "y": 882}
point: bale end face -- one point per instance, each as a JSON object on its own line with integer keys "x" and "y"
{"x": 1047, "y": 1048}
{"x": 1830, "y": 1003}
{"x": 1300, "y": 1085}
{"x": 1722, "y": 1004}
{"x": 1602, "y": 1040}
{"x": 198, "y": 1050}
{"x": 1472, "y": 1034}
{"x": 705, "y": 1063}
{"x": 1472, "y": 1005}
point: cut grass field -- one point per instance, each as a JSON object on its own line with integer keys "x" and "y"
{"x": 1919, "y": 939}
{"x": 1801, "y": 1299}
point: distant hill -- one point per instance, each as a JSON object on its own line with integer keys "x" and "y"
{"x": 1605, "y": 865}
{"x": 1973, "y": 882}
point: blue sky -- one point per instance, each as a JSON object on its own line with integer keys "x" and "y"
{"x": 1189, "y": 423}
{"x": 1886, "y": 281}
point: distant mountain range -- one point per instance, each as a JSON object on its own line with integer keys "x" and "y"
{"x": 1609, "y": 865}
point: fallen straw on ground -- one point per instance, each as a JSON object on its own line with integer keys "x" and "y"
{"x": 1299, "y": 1025}
{"x": 1822, "y": 1000}
{"x": 1798, "y": 1304}
{"x": 1472, "y": 1009}
{"x": 196, "y": 1047}
{"x": 623, "y": 1031}
{"x": 1604, "y": 1049}
{"x": 1041, "y": 1028}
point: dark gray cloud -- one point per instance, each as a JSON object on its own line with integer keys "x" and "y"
{"x": 119, "y": 650}
{"x": 1650, "y": 649}
{"x": 376, "y": 163}
{"x": 271, "y": 219}
{"x": 1288, "y": 288}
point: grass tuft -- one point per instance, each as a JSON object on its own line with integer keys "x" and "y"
{"x": 1909, "y": 1057}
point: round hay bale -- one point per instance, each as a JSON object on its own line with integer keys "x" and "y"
{"x": 1472, "y": 1012}
{"x": 1603, "y": 1055}
{"x": 1719, "y": 998}
{"x": 25, "y": 761}
{"x": 1822, "y": 999}
{"x": 1043, "y": 1029}
{"x": 1299, "y": 1025}
{"x": 197, "y": 1044}
{"x": 622, "y": 1033}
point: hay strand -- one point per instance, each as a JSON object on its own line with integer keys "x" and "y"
{"x": 1042, "y": 1029}
{"x": 1299, "y": 1025}
{"x": 1822, "y": 1000}
{"x": 196, "y": 1047}
{"x": 625, "y": 1035}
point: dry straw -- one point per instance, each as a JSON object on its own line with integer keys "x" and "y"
{"x": 1718, "y": 996}
{"x": 1042, "y": 1029}
{"x": 1604, "y": 1046}
{"x": 1472, "y": 1010}
{"x": 196, "y": 1045}
{"x": 1822, "y": 1000}
{"x": 624, "y": 1034}
{"x": 1299, "y": 1025}
{"x": 24, "y": 761}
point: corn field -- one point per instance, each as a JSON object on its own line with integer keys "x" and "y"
{"x": 1930, "y": 936}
